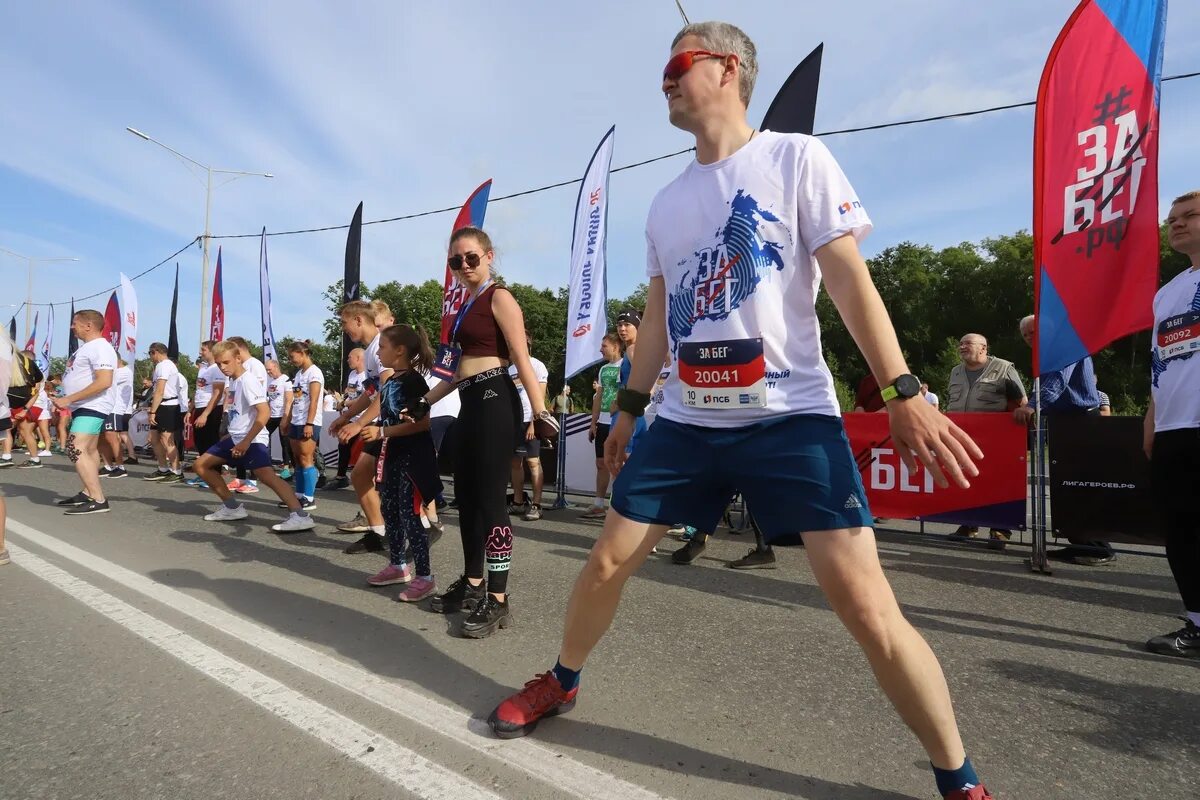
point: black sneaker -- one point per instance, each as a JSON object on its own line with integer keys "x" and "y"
{"x": 460, "y": 594}
{"x": 1184, "y": 643}
{"x": 172, "y": 477}
{"x": 320, "y": 482}
{"x": 964, "y": 533}
{"x": 103, "y": 471}
{"x": 31, "y": 463}
{"x": 5, "y": 462}
{"x": 688, "y": 553}
{"x": 131, "y": 462}
{"x": 340, "y": 482}
{"x": 371, "y": 542}
{"x": 489, "y": 615}
{"x": 118, "y": 472}
{"x": 755, "y": 559}
{"x": 90, "y": 507}
{"x": 80, "y": 499}
{"x": 533, "y": 512}
{"x": 158, "y": 475}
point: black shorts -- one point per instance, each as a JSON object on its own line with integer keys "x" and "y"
{"x": 373, "y": 448}
{"x": 168, "y": 419}
{"x": 601, "y": 437}
{"x": 6, "y": 424}
{"x": 117, "y": 423}
{"x": 530, "y": 448}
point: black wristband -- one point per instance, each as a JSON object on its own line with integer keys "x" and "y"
{"x": 419, "y": 410}
{"x": 631, "y": 402}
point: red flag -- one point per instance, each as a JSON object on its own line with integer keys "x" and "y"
{"x": 32, "y": 343}
{"x": 1095, "y": 206}
{"x": 216, "y": 328}
{"x": 453, "y": 292}
{"x": 112, "y": 322}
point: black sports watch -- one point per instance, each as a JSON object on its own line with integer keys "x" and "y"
{"x": 904, "y": 387}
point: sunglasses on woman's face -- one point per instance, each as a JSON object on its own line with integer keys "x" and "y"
{"x": 456, "y": 262}
{"x": 680, "y": 63}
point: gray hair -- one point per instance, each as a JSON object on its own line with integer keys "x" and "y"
{"x": 1030, "y": 318}
{"x": 721, "y": 37}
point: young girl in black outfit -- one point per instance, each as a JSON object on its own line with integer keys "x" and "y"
{"x": 487, "y": 334}
{"x": 407, "y": 466}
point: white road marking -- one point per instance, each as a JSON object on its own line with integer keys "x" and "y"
{"x": 381, "y": 755}
{"x": 560, "y": 771}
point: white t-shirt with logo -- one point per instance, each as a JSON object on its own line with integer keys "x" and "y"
{"x": 181, "y": 386}
{"x": 448, "y": 406}
{"x": 543, "y": 374}
{"x": 166, "y": 371}
{"x": 373, "y": 367}
{"x": 1174, "y": 382}
{"x": 244, "y": 394}
{"x": 207, "y": 378}
{"x": 257, "y": 369}
{"x": 734, "y": 243}
{"x": 277, "y": 390}
{"x": 81, "y": 371}
{"x": 356, "y": 384}
{"x": 300, "y": 387}
{"x": 123, "y": 387}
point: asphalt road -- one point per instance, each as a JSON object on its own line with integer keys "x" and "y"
{"x": 147, "y": 653}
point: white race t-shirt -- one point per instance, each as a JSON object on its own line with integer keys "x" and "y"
{"x": 257, "y": 369}
{"x": 42, "y": 400}
{"x": 81, "y": 371}
{"x": 300, "y": 386}
{"x": 244, "y": 394}
{"x": 166, "y": 371}
{"x": 734, "y": 242}
{"x": 543, "y": 374}
{"x": 207, "y": 379}
{"x": 1175, "y": 383}
{"x": 356, "y": 384}
{"x": 277, "y": 390}
{"x": 932, "y": 399}
{"x": 449, "y": 405}
{"x": 123, "y": 387}
{"x": 181, "y": 385}
{"x": 372, "y": 365}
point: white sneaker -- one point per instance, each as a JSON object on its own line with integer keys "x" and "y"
{"x": 44, "y": 453}
{"x": 295, "y": 522}
{"x": 226, "y": 514}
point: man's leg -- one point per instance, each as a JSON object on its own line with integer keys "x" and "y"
{"x": 363, "y": 478}
{"x": 110, "y": 449}
{"x": 620, "y": 551}
{"x": 170, "y": 453}
{"x": 846, "y": 565}
{"x": 43, "y": 425}
{"x": 602, "y": 480}
{"x": 156, "y": 443}
{"x": 86, "y": 455}
{"x": 537, "y": 478}
{"x": 517, "y": 481}
{"x": 279, "y": 486}
{"x": 27, "y": 436}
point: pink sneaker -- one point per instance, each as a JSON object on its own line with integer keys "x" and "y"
{"x": 390, "y": 575}
{"x": 234, "y": 485}
{"x": 247, "y": 488}
{"x": 419, "y": 589}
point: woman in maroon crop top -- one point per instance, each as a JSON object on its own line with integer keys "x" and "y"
{"x": 490, "y": 330}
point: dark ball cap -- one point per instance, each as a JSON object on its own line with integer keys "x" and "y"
{"x": 631, "y": 316}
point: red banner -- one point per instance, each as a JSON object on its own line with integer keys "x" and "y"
{"x": 996, "y": 497}
{"x": 216, "y": 327}
{"x": 1095, "y": 164}
{"x": 453, "y": 292}
{"x": 112, "y": 322}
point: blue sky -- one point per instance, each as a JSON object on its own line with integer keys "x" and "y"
{"x": 408, "y": 106}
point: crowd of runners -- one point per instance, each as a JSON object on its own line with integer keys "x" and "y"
{"x": 738, "y": 245}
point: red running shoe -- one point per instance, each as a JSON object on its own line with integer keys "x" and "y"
{"x": 974, "y": 793}
{"x": 542, "y": 697}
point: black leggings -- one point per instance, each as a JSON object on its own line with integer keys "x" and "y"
{"x": 485, "y": 436}
{"x": 285, "y": 442}
{"x": 344, "y": 457}
{"x": 1175, "y": 475}
{"x": 205, "y": 437}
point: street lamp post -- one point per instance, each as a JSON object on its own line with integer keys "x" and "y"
{"x": 209, "y": 172}
{"x": 29, "y": 262}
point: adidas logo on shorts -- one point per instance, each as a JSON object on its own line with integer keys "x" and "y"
{"x": 489, "y": 394}
{"x": 852, "y": 502}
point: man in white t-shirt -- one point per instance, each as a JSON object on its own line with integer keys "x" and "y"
{"x": 246, "y": 445}
{"x": 243, "y": 483}
{"x": 356, "y": 384}
{"x": 185, "y": 409}
{"x": 207, "y": 404}
{"x": 1172, "y": 429}
{"x": 117, "y": 424}
{"x": 279, "y": 400}
{"x": 359, "y": 322}
{"x": 88, "y": 393}
{"x": 166, "y": 417}
{"x": 736, "y": 249}
{"x": 529, "y": 452}
{"x": 930, "y": 397}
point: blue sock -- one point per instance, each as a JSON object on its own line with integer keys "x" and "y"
{"x": 569, "y": 678}
{"x": 310, "y": 481}
{"x": 951, "y": 780}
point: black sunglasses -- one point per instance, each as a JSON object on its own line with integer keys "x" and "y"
{"x": 456, "y": 262}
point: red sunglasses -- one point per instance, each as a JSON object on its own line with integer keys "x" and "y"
{"x": 680, "y": 63}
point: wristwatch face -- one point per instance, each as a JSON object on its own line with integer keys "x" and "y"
{"x": 908, "y": 386}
